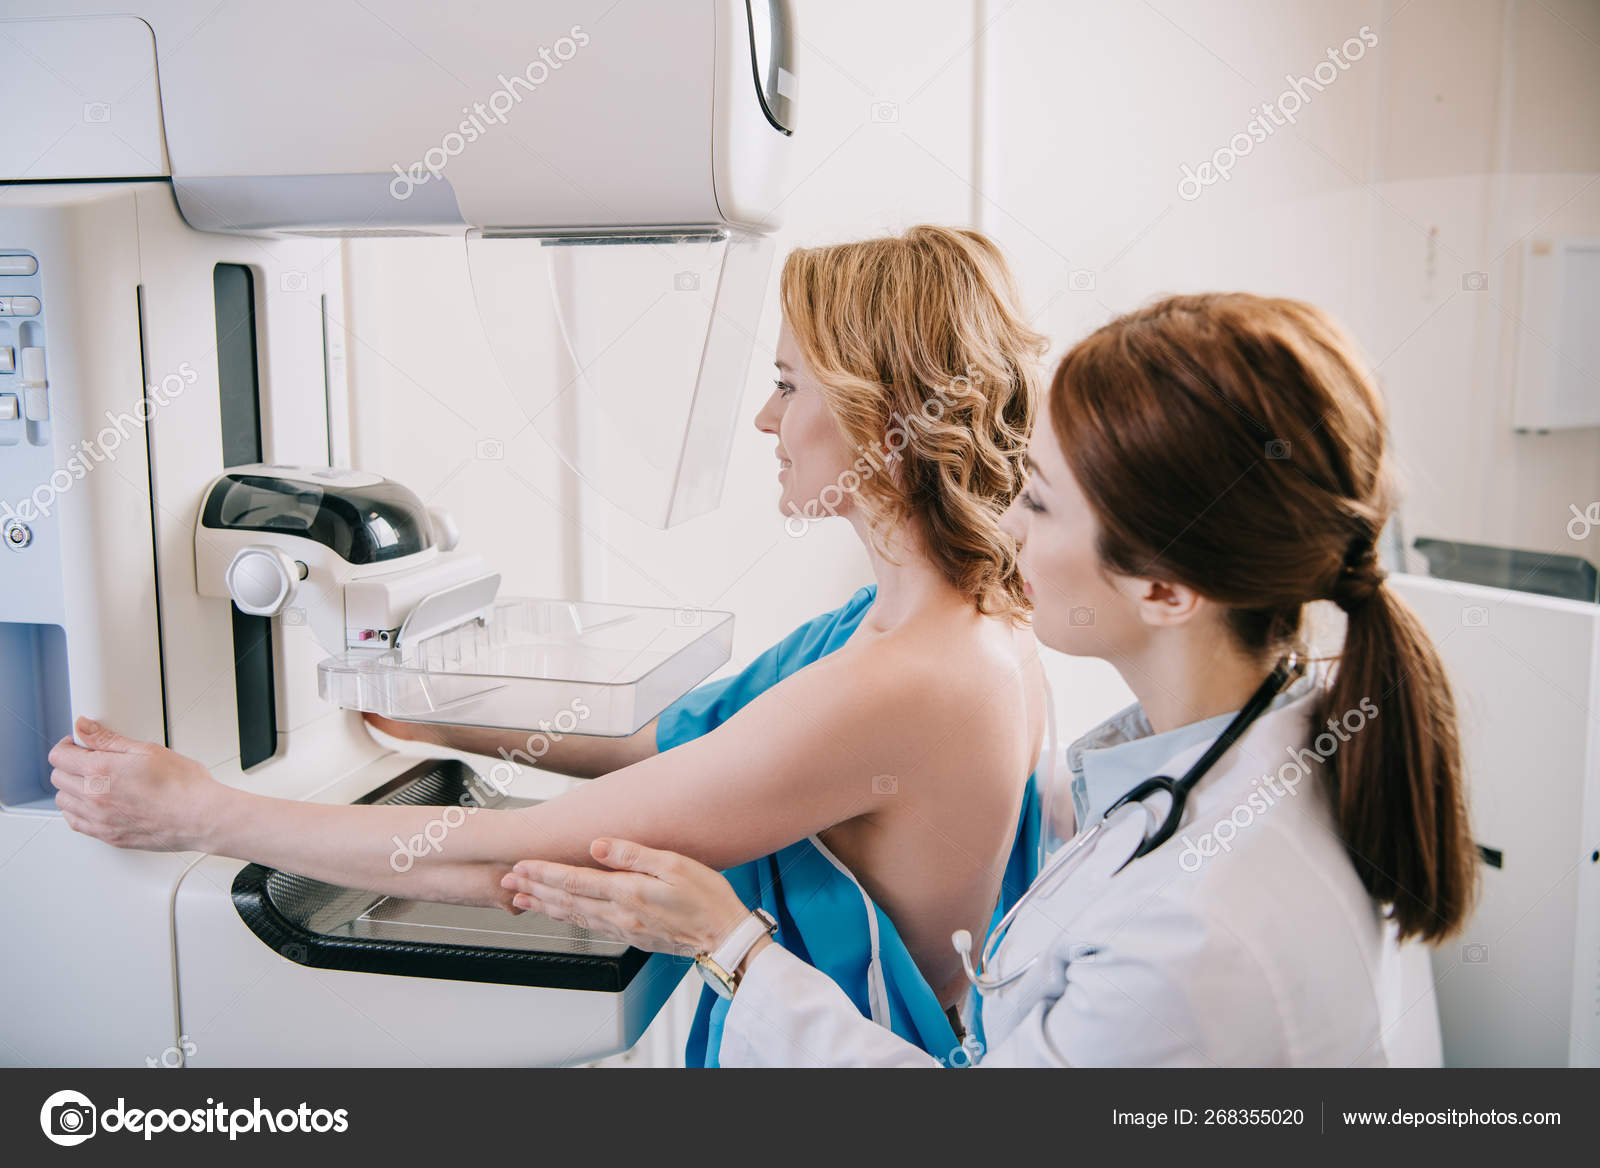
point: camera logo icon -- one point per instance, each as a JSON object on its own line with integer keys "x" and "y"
{"x": 294, "y": 616}
{"x": 885, "y": 785}
{"x": 883, "y": 113}
{"x": 686, "y": 282}
{"x": 1475, "y": 954}
{"x": 293, "y": 281}
{"x": 96, "y": 785}
{"x": 1277, "y": 449}
{"x": 1082, "y": 616}
{"x": 1475, "y": 282}
{"x": 97, "y": 112}
{"x": 67, "y": 1118}
{"x": 1474, "y": 616}
{"x": 491, "y": 449}
{"x": 1081, "y": 280}
{"x": 686, "y": 618}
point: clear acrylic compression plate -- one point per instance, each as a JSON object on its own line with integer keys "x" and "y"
{"x": 627, "y": 353}
{"x": 582, "y": 668}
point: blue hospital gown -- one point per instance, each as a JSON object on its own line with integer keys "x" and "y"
{"x": 823, "y": 915}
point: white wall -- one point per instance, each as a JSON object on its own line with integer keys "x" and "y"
{"x": 1469, "y": 125}
{"x": 1493, "y": 141}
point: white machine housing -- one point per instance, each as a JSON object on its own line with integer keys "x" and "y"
{"x": 359, "y": 606}
{"x": 1520, "y": 986}
{"x": 305, "y": 118}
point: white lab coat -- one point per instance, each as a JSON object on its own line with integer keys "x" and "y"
{"x": 1268, "y": 953}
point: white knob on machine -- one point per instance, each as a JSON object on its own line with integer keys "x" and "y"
{"x": 446, "y": 535}
{"x": 261, "y": 580}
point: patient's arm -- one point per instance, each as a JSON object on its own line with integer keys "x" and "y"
{"x": 798, "y": 759}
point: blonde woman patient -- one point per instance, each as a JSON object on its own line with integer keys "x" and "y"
{"x": 864, "y": 780}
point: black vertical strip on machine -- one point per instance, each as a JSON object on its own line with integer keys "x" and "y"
{"x": 327, "y": 389}
{"x": 155, "y": 539}
{"x": 240, "y": 386}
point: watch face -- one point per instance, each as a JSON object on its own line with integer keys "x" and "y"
{"x": 714, "y": 976}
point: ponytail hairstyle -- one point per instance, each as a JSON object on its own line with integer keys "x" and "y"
{"x": 1235, "y": 444}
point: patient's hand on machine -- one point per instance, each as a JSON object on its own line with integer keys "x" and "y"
{"x": 133, "y": 794}
{"x": 140, "y": 795}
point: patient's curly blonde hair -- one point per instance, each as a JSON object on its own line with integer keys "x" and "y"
{"x": 919, "y": 345}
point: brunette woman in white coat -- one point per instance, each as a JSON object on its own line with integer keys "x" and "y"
{"x": 1212, "y": 465}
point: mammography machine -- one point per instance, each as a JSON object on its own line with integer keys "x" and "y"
{"x": 189, "y": 556}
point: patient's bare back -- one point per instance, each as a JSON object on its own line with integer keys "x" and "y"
{"x": 947, "y": 779}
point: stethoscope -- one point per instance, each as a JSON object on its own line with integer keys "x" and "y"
{"x": 1283, "y": 674}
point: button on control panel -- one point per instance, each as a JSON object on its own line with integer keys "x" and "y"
{"x": 33, "y": 366}
{"x": 19, "y": 306}
{"x": 32, "y": 382}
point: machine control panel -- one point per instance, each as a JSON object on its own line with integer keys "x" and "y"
{"x": 24, "y": 386}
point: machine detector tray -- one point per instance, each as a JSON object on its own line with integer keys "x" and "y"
{"x": 329, "y": 927}
{"x": 583, "y": 668}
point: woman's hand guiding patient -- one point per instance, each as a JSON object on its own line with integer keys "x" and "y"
{"x": 654, "y": 900}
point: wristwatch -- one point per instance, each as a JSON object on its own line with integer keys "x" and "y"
{"x": 719, "y": 968}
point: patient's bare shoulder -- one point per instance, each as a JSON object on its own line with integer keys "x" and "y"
{"x": 938, "y": 711}
{"x": 964, "y": 693}
{"x": 876, "y": 692}
{"x": 891, "y": 676}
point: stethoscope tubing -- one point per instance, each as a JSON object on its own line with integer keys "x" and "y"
{"x": 986, "y": 981}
